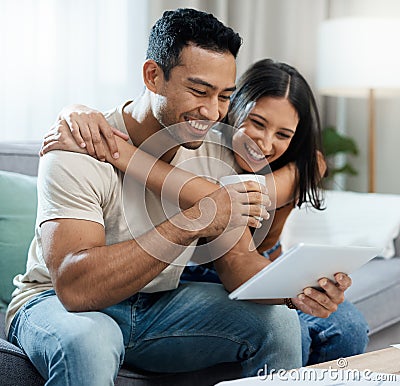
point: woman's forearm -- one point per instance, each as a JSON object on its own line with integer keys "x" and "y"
{"x": 159, "y": 176}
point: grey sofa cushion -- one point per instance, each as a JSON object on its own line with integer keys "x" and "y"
{"x": 397, "y": 246}
{"x": 15, "y": 368}
{"x": 375, "y": 292}
{"x": 20, "y": 157}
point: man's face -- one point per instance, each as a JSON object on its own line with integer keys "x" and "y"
{"x": 198, "y": 89}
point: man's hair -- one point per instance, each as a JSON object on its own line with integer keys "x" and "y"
{"x": 181, "y": 27}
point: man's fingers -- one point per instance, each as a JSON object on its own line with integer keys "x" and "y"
{"x": 250, "y": 186}
{"x": 253, "y": 222}
{"x": 250, "y": 193}
{"x": 250, "y": 205}
{"x": 255, "y": 211}
{"x": 257, "y": 198}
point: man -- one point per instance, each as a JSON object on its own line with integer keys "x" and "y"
{"x": 85, "y": 271}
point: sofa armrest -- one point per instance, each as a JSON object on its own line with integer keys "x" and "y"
{"x": 16, "y": 369}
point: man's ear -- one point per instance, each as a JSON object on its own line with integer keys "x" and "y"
{"x": 152, "y": 75}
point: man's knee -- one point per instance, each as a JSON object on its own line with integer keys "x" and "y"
{"x": 277, "y": 330}
{"x": 96, "y": 334}
{"x": 93, "y": 342}
{"x": 278, "y": 326}
{"x": 286, "y": 328}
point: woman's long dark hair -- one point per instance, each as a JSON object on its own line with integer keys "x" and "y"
{"x": 279, "y": 80}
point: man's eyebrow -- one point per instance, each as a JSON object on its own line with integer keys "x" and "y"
{"x": 204, "y": 83}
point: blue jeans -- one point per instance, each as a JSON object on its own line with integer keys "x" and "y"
{"x": 343, "y": 334}
{"x": 189, "y": 328}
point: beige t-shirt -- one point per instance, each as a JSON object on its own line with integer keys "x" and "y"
{"x": 72, "y": 185}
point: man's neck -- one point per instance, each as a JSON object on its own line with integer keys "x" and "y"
{"x": 142, "y": 126}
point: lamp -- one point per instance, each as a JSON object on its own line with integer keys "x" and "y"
{"x": 359, "y": 57}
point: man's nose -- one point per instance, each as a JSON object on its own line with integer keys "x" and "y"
{"x": 211, "y": 110}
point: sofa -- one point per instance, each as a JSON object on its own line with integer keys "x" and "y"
{"x": 376, "y": 286}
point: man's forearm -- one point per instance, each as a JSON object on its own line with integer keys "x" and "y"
{"x": 99, "y": 277}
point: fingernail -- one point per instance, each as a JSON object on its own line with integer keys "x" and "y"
{"x": 324, "y": 282}
{"x": 83, "y": 144}
{"x": 301, "y": 297}
{"x": 308, "y": 291}
{"x": 116, "y": 155}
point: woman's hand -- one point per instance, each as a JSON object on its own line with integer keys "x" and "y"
{"x": 322, "y": 303}
{"x": 60, "y": 138}
{"x": 88, "y": 127}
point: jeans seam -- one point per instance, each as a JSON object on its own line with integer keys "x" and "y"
{"x": 29, "y": 323}
{"x": 133, "y": 322}
{"x": 251, "y": 348}
{"x": 14, "y": 338}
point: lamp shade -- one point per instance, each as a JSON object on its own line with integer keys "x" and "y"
{"x": 358, "y": 54}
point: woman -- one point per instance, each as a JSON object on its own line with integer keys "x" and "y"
{"x": 275, "y": 112}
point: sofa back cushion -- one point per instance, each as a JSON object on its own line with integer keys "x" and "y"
{"x": 20, "y": 157}
{"x": 18, "y": 204}
{"x": 350, "y": 218}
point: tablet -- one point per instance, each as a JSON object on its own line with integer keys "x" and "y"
{"x": 300, "y": 267}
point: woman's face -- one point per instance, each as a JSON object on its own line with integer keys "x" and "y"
{"x": 265, "y": 134}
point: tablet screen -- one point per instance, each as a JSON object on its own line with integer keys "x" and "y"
{"x": 300, "y": 267}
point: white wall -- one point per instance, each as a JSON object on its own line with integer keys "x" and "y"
{"x": 281, "y": 29}
{"x": 387, "y": 110}
{"x": 56, "y": 52}
{"x": 285, "y": 30}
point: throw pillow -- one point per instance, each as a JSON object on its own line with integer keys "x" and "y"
{"x": 350, "y": 218}
{"x": 18, "y": 203}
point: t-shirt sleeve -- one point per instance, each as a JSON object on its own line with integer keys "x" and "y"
{"x": 72, "y": 185}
